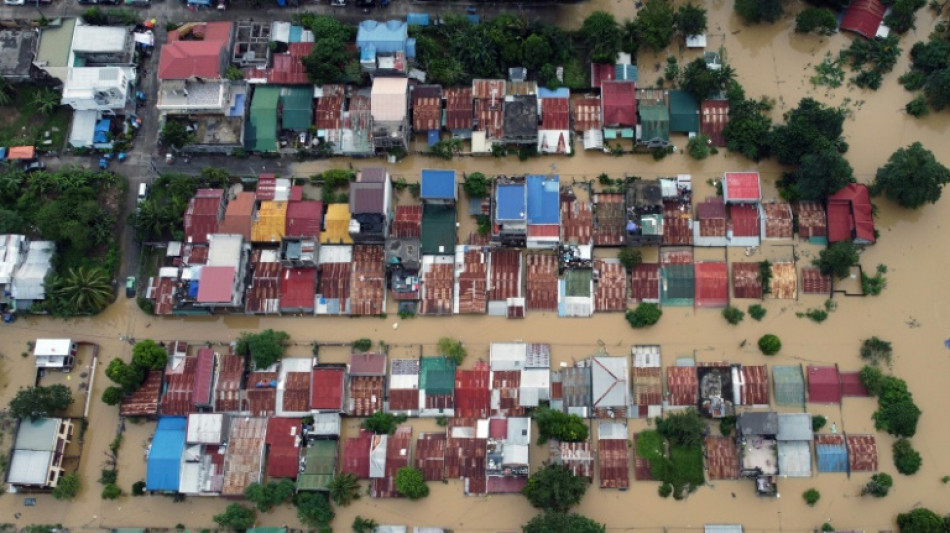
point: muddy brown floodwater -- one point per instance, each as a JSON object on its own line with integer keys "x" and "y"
{"x": 913, "y": 312}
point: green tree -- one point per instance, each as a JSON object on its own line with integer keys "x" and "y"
{"x": 878, "y": 486}
{"x": 411, "y": 483}
{"x": 603, "y": 37}
{"x": 266, "y": 497}
{"x": 111, "y": 491}
{"x": 837, "y": 259}
{"x": 684, "y": 428}
{"x": 237, "y": 517}
{"x": 809, "y": 128}
{"x": 535, "y": 51}
{"x": 912, "y": 177}
{"x": 920, "y": 520}
{"x": 902, "y": 14}
{"x": 811, "y": 497}
{"x": 820, "y": 174}
{"x": 40, "y": 402}
{"x": 699, "y": 147}
{"x": 112, "y": 396}
{"x": 327, "y": 62}
{"x": 656, "y": 22}
{"x": 937, "y": 89}
{"x": 818, "y": 422}
{"x": 364, "y": 525}
{"x": 46, "y": 101}
{"x": 554, "y": 424}
{"x": 382, "y": 423}
{"x": 265, "y": 348}
{"x": 84, "y": 290}
{"x": 562, "y": 523}
{"x": 313, "y": 509}
{"x": 630, "y": 258}
{"x": 757, "y": 312}
{"x": 817, "y": 20}
{"x": 917, "y": 107}
{"x": 646, "y": 314}
{"x": 11, "y": 221}
{"x": 555, "y": 488}
{"x": 147, "y": 353}
{"x": 68, "y": 487}
{"x": 344, "y": 488}
{"x": 756, "y": 11}
{"x": 128, "y": 377}
{"x": 906, "y": 458}
{"x": 476, "y": 185}
{"x": 362, "y": 345}
{"x": 699, "y": 80}
{"x": 453, "y": 349}
{"x": 769, "y": 344}
{"x": 176, "y": 135}
{"x": 876, "y": 351}
{"x": 733, "y": 315}
{"x": 727, "y": 425}
{"x": 691, "y": 20}
{"x": 747, "y": 131}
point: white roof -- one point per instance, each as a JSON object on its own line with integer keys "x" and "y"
{"x": 11, "y": 247}
{"x": 326, "y": 424}
{"x": 508, "y": 355}
{"x": 696, "y": 41}
{"x": 99, "y": 39}
{"x": 281, "y": 190}
{"x": 88, "y": 78}
{"x": 280, "y": 31}
{"x": 29, "y": 467}
{"x": 794, "y": 458}
{"x": 205, "y": 428}
{"x": 388, "y": 98}
{"x": 515, "y": 454}
{"x": 612, "y": 431}
{"x": 55, "y": 347}
{"x": 168, "y": 272}
{"x": 225, "y": 250}
{"x": 377, "y": 456}
{"x": 519, "y": 431}
{"x": 335, "y": 254}
{"x": 646, "y": 356}
{"x": 723, "y": 528}
{"x": 82, "y": 130}
{"x": 30, "y": 277}
{"x": 174, "y": 249}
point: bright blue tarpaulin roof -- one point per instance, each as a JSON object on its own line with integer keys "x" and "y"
{"x": 438, "y": 185}
{"x": 561, "y": 92}
{"x": 544, "y": 205}
{"x": 433, "y": 137}
{"x": 510, "y": 200}
{"x": 164, "y": 457}
{"x": 417, "y": 19}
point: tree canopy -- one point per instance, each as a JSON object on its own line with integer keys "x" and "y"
{"x": 265, "y": 348}
{"x": 327, "y": 62}
{"x": 555, "y": 488}
{"x": 411, "y": 483}
{"x": 700, "y": 81}
{"x": 127, "y": 376}
{"x": 313, "y": 509}
{"x": 747, "y": 131}
{"x": 691, "y": 20}
{"x": 551, "y": 522}
{"x": 237, "y": 517}
{"x": 68, "y": 487}
{"x": 837, "y": 259}
{"x": 684, "y": 428}
{"x": 40, "y": 402}
{"x": 477, "y": 185}
{"x": 603, "y": 36}
{"x": 149, "y": 354}
{"x": 817, "y": 20}
{"x": 921, "y": 520}
{"x": 930, "y": 71}
{"x": 344, "y": 488}
{"x": 756, "y": 11}
{"x": 819, "y": 175}
{"x": 809, "y": 128}
{"x": 453, "y": 349}
{"x": 176, "y": 135}
{"x": 911, "y": 177}
{"x": 906, "y": 459}
{"x": 274, "y": 493}
{"x": 646, "y": 314}
{"x": 554, "y": 424}
{"x": 656, "y": 21}
{"x": 382, "y": 423}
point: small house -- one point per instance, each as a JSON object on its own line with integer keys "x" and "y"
{"x": 39, "y": 448}
{"x": 426, "y": 101}
{"x": 203, "y": 215}
{"x": 337, "y": 225}
{"x": 714, "y": 116}
{"x": 614, "y": 455}
{"x": 239, "y": 215}
{"x": 684, "y": 112}
{"x": 389, "y": 105}
{"x": 644, "y": 213}
{"x": 758, "y": 446}
{"x": 327, "y": 388}
{"x": 510, "y": 212}
{"x": 866, "y": 17}
{"x": 333, "y": 290}
{"x": 619, "y": 109}
{"x": 654, "y": 129}
{"x": 459, "y": 112}
{"x": 243, "y": 461}
{"x": 543, "y": 211}
{"x": 489, "y": 105}
{"x": 647, "y": 381}
{"x": 610, "y": 386}
{"x": 507, "y": 463}
{"x": 554, "y": 134}
{"x": 260, "y": 133}
{"x": 587, "y": 121}
{"x": 55, "y": 353}
{"x": 850, "y": 215}
{"x": 794, "y": 444}
{"x": 521, "y": 114}
{"x": 711, "y": 226}
{"x": 403, "y": 396}
{"x": 370, "y": 206}
{"x": 505, "y": 297}
{"x": 164, "y": 455}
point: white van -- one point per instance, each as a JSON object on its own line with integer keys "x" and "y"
{"x": 143, "y": 188}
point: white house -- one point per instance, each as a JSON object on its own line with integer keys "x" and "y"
{"x": 55, "y": 353}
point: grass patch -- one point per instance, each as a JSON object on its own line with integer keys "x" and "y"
{"x": 23, "y": 124}
{"x": 683, "y": 469}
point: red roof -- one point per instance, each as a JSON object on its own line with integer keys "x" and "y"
{"x": 368, "y": 281}
{"x": 438, "y": 286}
{"x": 209, "y": 31}
{"x": 587, "y": 114}
{"x": 407, "y": 222}
{"x": 201, "y": 216}
{"x": 216, "y": 284}
{"x": 266, "y": 187}
{"x": 263, "y": 293}
{"x": 611, "y": 291}
{"x": 368, "y": 364}
{"x": 459, "y": 108}
{"x": 714, "y": 115}
{"x": 609, "y": 219}
{"x": 744, "y": 220}
{"x": 619, "y": 99}
{"x": 488, "y": 89}
{"x": 742, "y": 187}
{"x": 296, "y": 395}
{"x": 204, "y": 374}
{"x": 682, "y": 384}
{"x": 304, "y": 219}
{"x": 614, "y": 463}
{"x": 182, "y": 60}
{"x": 237, "y": 217}
{"x": 778, "y": 220}
{"x": 366, "y": 395}
{"x": 472, "y": 392}
{"x": 144, "y": 401}
{"x": 430, "y": 455}
{"x": 677, "y": 225}
{"x": 601, "y": 72}
{"x": 577, "y": 220}
{"x": 862, "y": 453}
{"x": 282, "y": 452}
{"x": 163, "y": 294}
{"x": 712, "y": 284}
{"x": 335, "y": 280}
{"x": 287, "y": 69}
{"x": 473, "y": 282}
{"x": 645, "y": 281}
{"x": 544, "y": 230}
{"x": 505, "y": 274}
{"x": 824, "y": 386}
{"x": 755, "y": 390}
{"x": 329, "y": 115}
{"x": 262, "y": 393}
{"x": 863, "y": 17}
{"x": 179, "y": 389}
{"x": 555, "y": 113}
{"x": 491, "y": 116}
{"x": 712, "y": 217}
{"x": 298, "y": 286}
{"x": 811, "y": 220}
{"x": 227, "y": 394}
{"x": 505, "y": 484}
{"x": 542, "y": 282}
{"x": 398, "y": 448}
{"x": 356, "y": 454}
{"x": 426, "y": 107}
{"x": 326, "y": 389}
{"x": 745, "y": 280}
{"x": 849, "y": 215}
{"x": 403, "y": 399}
{"x": 505, "y": 386}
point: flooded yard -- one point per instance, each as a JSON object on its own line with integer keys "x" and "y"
{"x": 913, "y": 312}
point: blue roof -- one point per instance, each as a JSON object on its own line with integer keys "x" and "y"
{"x": 296, "y": 33}
{"x": 368, "y": 53}
{"x": 544, "y": 204}
{"x": 438, "y": 185}
{"x": 626, "y": 72}
{"x": 561, "y": 92}
{"x": 164, "y": 457}
{"x": 388, "y": 36}
{"x": 832, "y": 457}
{"x": 411, "y": 48}
{"x": 417, "y": 19}
{"x": 510, "y": 200}
{"x": 433, "y": 137}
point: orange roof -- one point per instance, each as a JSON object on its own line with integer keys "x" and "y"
{"x": 270, "y": 223}
{"x": 21, "y": 152}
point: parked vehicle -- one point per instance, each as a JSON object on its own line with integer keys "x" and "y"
{"x": 14, "y": 2}
{"x": 143, "y": 190}
{"x": 130, "y": 287}
{"x": 33, "y": 165}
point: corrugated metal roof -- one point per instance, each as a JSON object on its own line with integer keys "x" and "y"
{"x": 862, "y": 453}
{"x": 504, "y": 274}
{"x": 587, "y": 114}
{"x": 398, "y": 450}
{"x": 682, "y": 385}
{"x": 490, "y": 118}
{"x": 832, "y": 453}
{"x": 746, "y": 281}
{"x": 778, "y": 220}
{"x": 555, "y": 114}
{"x": 645, "y": 281}
{"x": 614, "y": 463}
{"x": 741, "y": 187}
{"x": 437, "y": 289}
{"x": 712, "y": 284}
{"x": 722, "y": 457}
{"x": 755, "y": 387}
{"x": 368, "y": 364}
{"x": 677, "y": 225}
{"x": 179, "y": 389}
{"x": 237, "y": 218}
{"x": 864, "y": 17}
{"x": 202, "y": 215}
{"x": 814, "y": 282}
{"x": 794, "y": 426}
{"x": 282, "y": 447}
{"x": 164, "y": 457}
{"x": 619, "y": 102}
{"x": 744, "y": 220}
{"x": 365, "y": 395}
{"x": 684, "y": 112}
{"x": 356, "y": 454}
{"x": 851, "y": 384}
{"x": 216, "y": 285}
{"x": 204, "y": 375}
{"x": 811, "y": 220}
{"x": 320, "y": 458}
{"x": 407, "y": 222}
{"x": 261, "y": 393}
{"x": 714, "y": 116}
{"x": 266, "y": 187}
{"x": 611, "y": 291}
{"x": 752, "y": 423}
{"x": 542, "y": 282}
{"x": 505, "y": 393}
{"x": 326, "y": 388}
{"x": 789, "y": 385}
{"x": 459, "y": 108}
{"x": 609, "y": 219}
{"x": 337, "y": 225}
{"x": 824, "y": 385}
{"x": 228, "y": 396}
{"x": 850, "y": 215}
{"x": 601, "y": 72}
{"x": 296, "y": 392}
{"x": 472, "y": 392}
{"x": 430, "y": 455}
{"x": 426, "y": 107}
{"x": 242, "y": 464}
{"x": 438, "y": 184}
{"x": 784, "y": 283}
{"x": 144, "y": 401}
{"x": 794, "y": 458}
{"x": 329, "y": 115}
{"x": 472, "y": 282}
{"x": 303, "y": 219}
{"x": 335, "y": 280}
{"x": 260, "y": 131}
{"x": 263, "y": 293}
{"x": 271, "y": 222}
{"x": 610, "y": 387}
{"x": 368, "y": 281}
{"x": 543, "y": 199}
{"x": 577, "y": 220}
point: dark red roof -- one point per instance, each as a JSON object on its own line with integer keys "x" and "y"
{"x": 227, "y": 395}
{"x": 601, "y": 72}
{"x": 849, "y": 215}
{"x": 722, "y": 457}
{"x": 824, "y": 386}
{"x": 204, "y": 374}
{"x": 498, "y": 428}
{"x": 201, "y": 216}
{"x": 745, "y": 280}
{"x": 677, "y": 225}
{"x": 472, "y": 392}
{"x": 296, "y": 397}
{"x": 755, "y": 391}
{"x": 407, "y": 222}
{"x": 329, "y": 115}
{"x": 505, "y": 274}
{"x": 714, "y": 115}
{"x": 298, "y": 288}
{"x": 288, "y": 69}
{"x": 459, "y": 108}
{"x": 356, "y": 454}
{"x": 282, "y": 452}
{"x": 490, "y": 115}
{"x": 542, "y": 282}
{"x": 744, "y": 220}
{"x": 326, "y": 389}
{"x": 555, "y": 114}
{"x": 335, "y": 280}
{"x": 365, "y": 395}
{"x": 862, "y": 453}
{"x": 577, "y": 220}
{"x": 645, "y": 282}
{"x": 711, "y": 208}
{"x": 614, "y": 462}
{"x": 505, "y": 484}
{"x": 430, "y": 455}
{"x": 368, "y": 280}
{"x": 397, "y": 457}
{"x": 682, "y": 384}
{"x": 814, "y": 282}
{"x": 368, "y": 364}
{"x": 619, "y": 99}
{"x": 863, "y": 17}
{"x": 609, "y": 219}
{"x": 262, "y": 393}
{"x": 544, "y": 230}
{"x": 851, "y": 384}
{"x": 426, "y": 107}
{"x": 811, "y": 220}
{"x": 473, "y": 282}
{"x": 304, "y": 219}
{"x": 712, "y": 284}
{"x": 403, "y": 399}
{"x": 266, "y": 187}
{"x": 179, "y": 389}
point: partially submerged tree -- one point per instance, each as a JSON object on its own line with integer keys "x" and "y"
{"x": 912, "y": 177}
{"x": 40, "y": 402}
{"x": 554, "y": 424}
{"x": 683, "y": 428}
{"x": 127, "y": 376}
{"x": 382, "y": 423}
{"x": 837, "y": 259}
{"x": 68, "y": 487}
{"x": 876, "y": 351}
{"x": 603, "y": 36}
{"x": 756, "y": 11}
{"x": 811, "y": 497}
{"x": 733, "y": 315}
{"x": 274, "y": 493}
{"x": 237, "y": 517}
{"x": 84, "y": 290}
{"x": 477, "y": 185}
{"x": 562, "y": 523}
{"x": 809, "y": 128}
{"x": 817, "y": 20}
{"x": 149, "y": 354}
{"x": 920, "y": 520}
{"x": 630, "y": 258}
{"x": 453, "y": 349}
{"x": 879, "y": 485}
{"x": 176, "y": 135}
{"x": 411, "y": 483}
{"x": 820, "y": 174}
{"x": 313, "y": 509}
{"x": 906, "y": 458}
{"x": 344, "y": 488}
{"x": 691, "y": 20}
{"x": 364, "y": 525}
{"x": 555, "y": 488}
{"x": 655, "y": 24}
{"x": 749, "y": 124}
{"x": 769, "y": 344}
{"x": 265, "y": 348}
{"x": 646, "y": 314}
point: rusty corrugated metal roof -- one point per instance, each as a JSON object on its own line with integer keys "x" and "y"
{"x": 430, "y": 455}
{"x": 682, "y": 385}
{"x": 745, "y": 280}
{"x": 368, "y": 281}
{"x": 228, "y": 396}
{"x": 609, "y": 219}
{"x": 555, "y": 114}
{"x": 144, "y": 401}
{"x": 505, "y": 277}
{"x": 459, "y": 108}
{"x": 426, "y": 107}
{"x": 473, "y": 283}
{"x": 611, "y": 293}
{"x": 542, "y": 282}
{"x": 722, "y": 457}
{"x": 366, "y": 395}
{"x": 714, "y": 115}
{"x": 242, "y": 464}
{"x": 645, "y": 281}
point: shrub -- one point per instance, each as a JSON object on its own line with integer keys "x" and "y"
{"x": 878, "y": 486}
{"x": 265, "y": 348}
{"x": 818, "y": 422}
{"x": 555, "y": 488}
{"x": 138, "y": 488}
{"x": 698, "y": 147}
{"x": 364, "y": 525}
{"x": 827, "y": 527}
{"x": 757, "y": 312}
{"x": 769, "y": 344}
{"x": 453, "y": 349}
{"x": 917, "y": 107}
{"x": 313, "y": 510}
{"x": 476, "y": 185}
{"x": 236, "y": 516}
{"x": 733, "y": 315}
{"x": 112, "y": 395}
{"x": 554, "y": 424}
{"x": 727, "y": 425}
{"x": 818, "y": 20}
{"x": 646, "y": 314}
{"x": 906, "y": 458}
{"x": 684, "y": 428}
{"x": 837, "y": 259}
{"x": 362, "y": 345}
{"x": 382, "y": 423}
{"x": 411, "y": 483}
{"x": 68, "y": 487}
{"x": 876, "y": 351}
{"x": 111, "y": 492}
{"x": 630, "y": 258}
{"x": 109, "y": 475}
{"x": 665, "y": 490}
{"x": 817, "y": 315}
{"x": 811, "y": 497}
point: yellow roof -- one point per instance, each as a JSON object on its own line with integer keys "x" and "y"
{"x": 270, "y": 223}
{"x": 338, "y": 225}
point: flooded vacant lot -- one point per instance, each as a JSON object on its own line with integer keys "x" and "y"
{"x": 913, "y": 312}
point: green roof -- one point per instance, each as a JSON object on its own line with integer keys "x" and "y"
{"x": 577, "y": 282}
{"x": 261, "y": 133}
{"x": 297, "y": 105}
{"x": 438, "y": 229}
{"x": 437, "y": 375}
{"x": 684, "y": 112}
{"x": 678, "y": 285}
{"x": 654, "y": 122}
{"x": 651, "y": 224}
{"x": 789, "y": 385}
{"x": 319, "y": 467}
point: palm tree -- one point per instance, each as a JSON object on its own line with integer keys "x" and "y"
{"x": 46, "y": 101}
{"x": 344, "y": 488}
{"x": 85, "y": 289}
{"x": 5, "y": 97}
{"x": 364, "y": 525}
{"x": 11, "y": 182}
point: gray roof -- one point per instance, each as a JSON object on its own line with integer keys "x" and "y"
{"x": 29, "y": 467}
{"x": 326, "y": 424}
{"x": 366, "y": 198}
{"x": 538, "y": 356}
{"x": 521, "y": 116}
{"x": 575, "y": 387}
{"x": 28, "y": 282}
{"x": 519, "y": 430}
{"x": 758, "y": 423}
{"x": 794, "y": 426}
{"x": 372, "y": 175}
{"x": 723, "y": 528}
{"x": 391, "y": 529}
{"x": 377, "y": 456}
{"x": 611, "y": 431}
{"x": 17, "y": 49}
{"x": 37, "y": 434}
{"x": 55, "y": 44}
{"x": 794, "y": 458}
{"x": 610, "y": 382}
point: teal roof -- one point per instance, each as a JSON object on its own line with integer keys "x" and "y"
{"x": 261, "y": 133}
{"x": 789, "y": 385}
{"x": 678, "y": 285}
{"x": 320, "y": 466}
{"x": 626, "y": 72}
{"x": 684, "y": 112}
{"x": 577, "y": 282}
{"x": 297, "y": 104}
{"x": 654, "y": 122}
{"x": 438, "y": 229}
{"x": 437, "y": 375}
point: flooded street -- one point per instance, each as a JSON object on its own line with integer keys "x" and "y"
{"x": 913, "y": 313}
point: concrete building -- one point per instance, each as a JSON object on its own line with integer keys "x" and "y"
{"x": 37, "y": 458}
